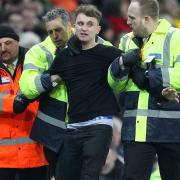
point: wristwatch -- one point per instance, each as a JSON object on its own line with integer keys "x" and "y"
{"x": 120, "y": 61}
{"x": 146, "y": 74}
{"x": 121, "y": 65}
{"x": 54, "y": 84}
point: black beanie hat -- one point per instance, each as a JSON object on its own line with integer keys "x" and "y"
{"x": 7, "y": 31}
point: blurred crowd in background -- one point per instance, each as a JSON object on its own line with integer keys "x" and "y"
{"x": 25, "y": 16}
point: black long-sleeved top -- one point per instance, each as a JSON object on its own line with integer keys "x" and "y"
{"x": 85, "y": 76}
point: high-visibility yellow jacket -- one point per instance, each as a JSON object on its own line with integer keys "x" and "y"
{"x": 50, "y": 121}
{"x": 17, "y": 149}
{"x": 145, "y": 119}
{"x": 155, "y": 175}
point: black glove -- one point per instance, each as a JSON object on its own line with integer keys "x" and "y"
{"x": 74, "y": 45}
{"x": 137, "y": 74}
{"x": 131, "y": 57}
{"x": 20, "y": 103}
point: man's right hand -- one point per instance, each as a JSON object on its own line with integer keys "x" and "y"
{"x": 55, "y": 78}
{"x": 131, "y": 57}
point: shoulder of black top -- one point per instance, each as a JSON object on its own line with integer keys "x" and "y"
{"x": 111, "y": 49}
{"x": 60, "y": 52}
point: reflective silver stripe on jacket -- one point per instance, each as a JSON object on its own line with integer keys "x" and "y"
{"x": 152, "y": 113}
{"x": 38, "y": 85}
{"x": 177, "y": 59}
{"x": 166, "y": 58}
{"x": 124, "y": 41}
{"x": 15, "y": 141}
{"x": 33, "y": 67}
{"x": 1, "y": 97}
{"x": 51, "y": 120}
{"x": 156, "y": 65}
{"x": 100, "y": 40}
{"x": 49, "y": 56}
{"x": 124, "y": 78}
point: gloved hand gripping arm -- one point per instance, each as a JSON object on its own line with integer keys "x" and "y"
{"x": 121, "y": 65}
{"x": 130, "y": 58}
{"x": 20, "y": 103}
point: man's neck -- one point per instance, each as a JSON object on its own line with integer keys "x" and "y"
{"x": 88, "y": 45}
{"x": 153, "y": 26}
{"x": 14, "y": 61}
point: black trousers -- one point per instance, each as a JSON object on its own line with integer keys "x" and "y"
{"x": 139, "y": 158}
{"x": 84, "y": 153}
{"x": 40, "y": 173}
{"x": 51, "y": 157}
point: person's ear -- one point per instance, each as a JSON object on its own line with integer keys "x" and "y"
{"x": 146, "y": 19}
{"x": 98, "y": 30}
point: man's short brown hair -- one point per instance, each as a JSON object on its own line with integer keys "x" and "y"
{"x": 149, "y": 7}
{"x": 89, "y": 10}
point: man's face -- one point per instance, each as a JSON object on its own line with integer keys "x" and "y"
{"x": 86, "y": 28}
{"x": 136, "y": 21}
{"x": 9, "y": 49}
{"x": 58, "y": 32}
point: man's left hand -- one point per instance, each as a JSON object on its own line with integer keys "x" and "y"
{"x": 170, "y": 94}
{"x": 20, "y": 103}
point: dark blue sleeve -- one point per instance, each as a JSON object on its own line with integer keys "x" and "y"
{"x": 116, "y": 70}
{"x": 155, "y": 78}
{"x": 156, "y": 83}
